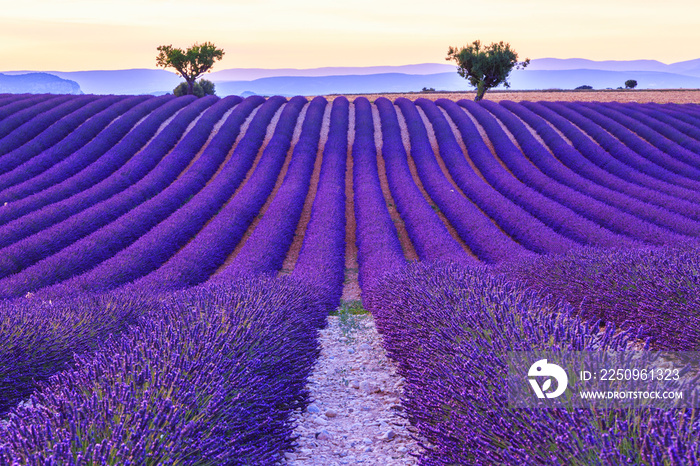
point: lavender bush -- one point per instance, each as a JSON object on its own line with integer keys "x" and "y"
{"x": 210, "y": 377}
{"x": 195, "y": 262}
{"x": 601, "y": 130}
{"x": 85, "y": 253}
{"x": 266, "y": 247}
{"x": 38, "y": 338}
{"x": 450, "y": 328}
{"x": 676, "y": 133}
{"x": 560, "y": 218}
{"x": 160, "y": 242}
{"x": 656, "y": 289}
{"x": 644, "y": 140}
{"x": 18, "y": 128}
{"x": 17, "y": 103}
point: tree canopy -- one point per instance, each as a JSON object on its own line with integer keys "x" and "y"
{"x": 485, "y": 67}
{"x": 190, "y": 63}
{"x": 630, "y": 84}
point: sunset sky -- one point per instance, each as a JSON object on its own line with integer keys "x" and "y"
{"x": 73, "y": 35}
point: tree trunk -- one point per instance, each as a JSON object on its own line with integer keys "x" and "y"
{"x": 190, "y": 87}
{"x": 480, "y": 91}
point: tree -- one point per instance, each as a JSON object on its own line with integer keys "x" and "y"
{"x": 485, "y": 67}
{"x": 630, "y": 84}
{"x": 190, "y": 63}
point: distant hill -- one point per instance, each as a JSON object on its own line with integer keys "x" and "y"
{"x": 348, "y": 84}
{"x": 136, "y": 81}
{"x": 607, "y": 65}
{"x": 397, "y": 82}
{"x": 686, "y": 68}
{"x": 543, "y": 73}
{"x": 599, "y": 79}
{"x": 248, "y": 74}
{"x": 37, "y": 83}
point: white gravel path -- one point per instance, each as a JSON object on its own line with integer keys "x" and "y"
{"x": 355, "y": 416}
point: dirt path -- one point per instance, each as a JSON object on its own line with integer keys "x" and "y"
{"x": 355, "y": 416}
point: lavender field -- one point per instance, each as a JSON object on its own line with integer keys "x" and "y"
{"x": 166, "y": 264}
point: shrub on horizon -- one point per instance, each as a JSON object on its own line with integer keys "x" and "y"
{"x": 199, "y": 89}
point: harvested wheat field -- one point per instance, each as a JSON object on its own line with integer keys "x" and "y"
{"x": 660, "y": 96}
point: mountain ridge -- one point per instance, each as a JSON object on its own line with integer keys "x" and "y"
{"x": 543, "y": 73}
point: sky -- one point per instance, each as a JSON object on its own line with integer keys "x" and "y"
{"x": 71, "y": 35}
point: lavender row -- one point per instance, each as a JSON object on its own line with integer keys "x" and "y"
{"x": 38, "y": 338}
{"x": 22, "y": 113}
{"x": 482, "y": 237}
{"x": 597, "y": 183}
{"x": 43, "y": 232}
{"x": 156, "y": 246}
{"x": 265, "y": 249}
{"x": 89, "y": 238}
{"x": 672, "y": 197}
{"x": 573, "y": 157}
{"x": 43, "y": 159}
{"x": 602, "y": 130}
{"x": 678, "y": 113}
{"x": 55, "y": 131}
{"x": 528, "y": 231}
{"x": 124, "y": 177}
{"x": 211, "y": 377}
{"x": 112, "y": 148}
{"x": 680, "y": 133}
{"x": 12, "y": 103}
{"x": 6, "y": 99}
{"x": 646, "y": 141}
{"x": 34, "y": 127}
{"x": 450, "y": 328}
{"x": 657, "y": 288}
{"x": 593, "y": 209}
{"x": 321, "y": 260}
{"x": 21, "y": 103}
{"x": 208, "y": 251}
{"x": 379, "y": 250}
{"x": 558, "y": 217}
{"x": 428, "y": 233}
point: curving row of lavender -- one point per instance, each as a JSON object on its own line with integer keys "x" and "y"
{"x": 110, "y": 205}
{"x": 86, "y": 198}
